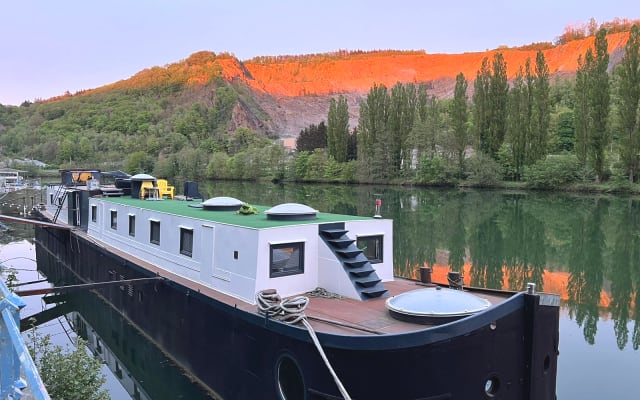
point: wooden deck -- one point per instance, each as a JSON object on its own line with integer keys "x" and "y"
{"x": 349, "y": 317}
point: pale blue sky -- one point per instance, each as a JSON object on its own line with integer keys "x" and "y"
{"x": 49, "y": 47}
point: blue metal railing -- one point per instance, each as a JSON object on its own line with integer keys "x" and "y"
{"x": 15, "y": 360}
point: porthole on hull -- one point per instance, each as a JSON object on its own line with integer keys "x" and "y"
{"x": 289, "y": 379}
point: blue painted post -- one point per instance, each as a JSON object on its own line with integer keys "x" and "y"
{"x": 14, "y": 354}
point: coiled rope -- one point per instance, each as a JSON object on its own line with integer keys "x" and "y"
{"x": 291, "y": 311}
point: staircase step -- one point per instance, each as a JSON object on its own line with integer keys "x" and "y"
{"x": 374, "y": 292}
{"x": 341, "y": 243}
{"x": 356, "y": 263}
{"x": 368, "y": 282}
{"x": 349, "y": 253}
{"x": 333, "y": 233}
{"x": 361, "y": 272}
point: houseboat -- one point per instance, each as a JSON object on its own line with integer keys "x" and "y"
{"x": 287, "y": 302}
{"x": 10, "y": 179}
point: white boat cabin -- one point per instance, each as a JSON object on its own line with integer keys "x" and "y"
{"x": 291, "y": 251}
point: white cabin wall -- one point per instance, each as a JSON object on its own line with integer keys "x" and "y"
{"x": 165, "y": 255}
{"x": 235, "y": 276}
{"x": 376, "y": 227}
{"x": 331, "y": 273}
{"x": 291, "y": 284}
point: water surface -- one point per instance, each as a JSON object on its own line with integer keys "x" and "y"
{"x": 585, "y": 248}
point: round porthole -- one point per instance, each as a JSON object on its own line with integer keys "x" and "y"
{"x": 491, "y": 386}
{"x": 289, "y": 379}
{"x": 547, "y": 364}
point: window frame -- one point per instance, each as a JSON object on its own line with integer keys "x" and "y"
{"x": 275, "y": 272}
{"x": 154, "y": 227}
{"x": 183, "y": 243}
{"x": 94, "y": 213}
{"x": 132, "y": 225}
{"x": 114, "y": 219}
{"x": 378, "y": 247}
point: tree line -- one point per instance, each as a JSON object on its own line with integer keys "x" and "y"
{"x": 581, "y": 130}
{"x": 545, "y": 134}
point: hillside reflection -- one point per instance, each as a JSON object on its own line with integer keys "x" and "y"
{"x": 586, "y": 248}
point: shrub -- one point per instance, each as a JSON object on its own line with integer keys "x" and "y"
{"x": 437, "y": 171}
{"x": 72, "y": 375}
{"x": 483, "y": 170}
{"x": 553, "y": 172}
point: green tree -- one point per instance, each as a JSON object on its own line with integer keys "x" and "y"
{"x": 581, "y": 111}
{"x": 311, "y": 138}
{"x": 498, "y": 100}
{"x": 519, "y": 120}
{"x": 628, "y": 103}
{"x": 139, "y": 162}
{"x": 338, "y": 129}
{"x": 481, "y": 106}
{"x": 71, "y": 375}
{"x": 423, "y": 138}
{"x": 401, "y": 116}
{"x": 373, "y": 134}
{"x": 541, "y": 110}
{"x": 565, "y": 132}
{"x": 599, "y": 104}
{"x": 459, "y": 119}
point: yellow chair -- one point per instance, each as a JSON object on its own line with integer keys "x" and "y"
{"x": 147, "y": 190}
{"x": 165, "y": 189}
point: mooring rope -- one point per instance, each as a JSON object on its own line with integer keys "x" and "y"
{"x": 291, "y": 311}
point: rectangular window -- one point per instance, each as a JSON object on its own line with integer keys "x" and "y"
{"x": 132, "y": 225}
{"x": 114, "y": 219}
{"x": 186, "y": 241}
{"x": 286, "y": 259}
{"x": 371, "y": 246}
{"x": 94, "y": 213}
{"x": 154, "y": 236}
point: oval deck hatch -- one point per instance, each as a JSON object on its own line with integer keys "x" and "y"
{"x": 222, "y": 203}
{"x": 435, "y": 305}
{"x": 291, "y": 212}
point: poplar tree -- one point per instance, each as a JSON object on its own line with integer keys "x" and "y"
{"x": 628, "y": 103}
{"x": 541, "y": 110}
{"x": 498, "y": 99}
{"x": 519, "y": 120}
{"x": 581, "y": 107}
{"x": 459, "y": 119}
{"x": 599, "y": 104}
{"x": 338, "y": 129}
{"x": 402, "y": 112}
{"x": 592, "y": 105}
{"x": 481, "y": 106}
{"x": 490, "y": 98}
{"x": 373, "y": 134}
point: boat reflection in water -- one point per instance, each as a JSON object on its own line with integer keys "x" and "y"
{"x": 143, "y": 370}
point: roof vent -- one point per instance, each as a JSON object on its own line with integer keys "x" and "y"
{"x": 291, "y": 212}
{"x": 142, "y": 177}
{"x": 222, "y": 204}
{"x": 435, "y": 305}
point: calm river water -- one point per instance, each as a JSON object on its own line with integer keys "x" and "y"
{"x": 584, "y": 247}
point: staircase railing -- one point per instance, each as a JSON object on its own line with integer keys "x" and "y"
{"x": 59, "y": 200}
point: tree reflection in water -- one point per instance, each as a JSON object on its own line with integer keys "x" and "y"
{"x": 587, "y": 248}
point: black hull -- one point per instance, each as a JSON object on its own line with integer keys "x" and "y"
{"x": 237, "y": 354}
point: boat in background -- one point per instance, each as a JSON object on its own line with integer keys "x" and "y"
{"x": 11, "y": 180}
{"x": 287, "y": 302}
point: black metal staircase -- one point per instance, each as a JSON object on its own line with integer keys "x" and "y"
{"x": 362, "y": 275}
{"x": 59, "y": 198}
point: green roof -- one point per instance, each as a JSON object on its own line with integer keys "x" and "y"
{"x": 257, "y": 221}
